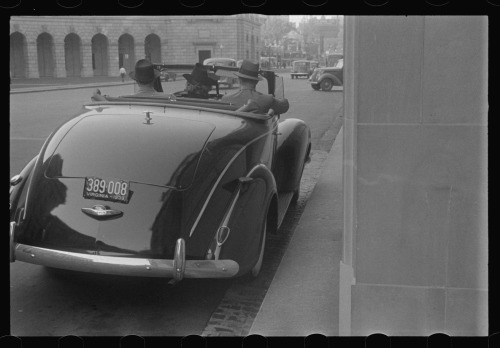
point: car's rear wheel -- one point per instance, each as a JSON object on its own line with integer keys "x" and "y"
{"x": 326, "y": 84}
{"x": 315, "y": 87}
{"x": 258, "y": 266}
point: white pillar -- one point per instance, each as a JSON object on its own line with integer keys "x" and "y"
{"x": 59, "y": 59}
{"x": 32, "y": 59}
{"x": 87, "y": 70}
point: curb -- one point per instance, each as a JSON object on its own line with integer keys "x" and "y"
{"x": 63, "y": 87}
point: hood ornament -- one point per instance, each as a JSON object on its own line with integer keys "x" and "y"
{"x": 102, "y": 212}
{"x": 148, "y": 117}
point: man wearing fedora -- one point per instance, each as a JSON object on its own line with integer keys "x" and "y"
{"x": 198, "y": 83}
{"x": 248, "y": 76}
{"x": 147, "y": 78}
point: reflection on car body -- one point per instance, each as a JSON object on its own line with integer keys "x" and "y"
{"x": 158, "y": 187}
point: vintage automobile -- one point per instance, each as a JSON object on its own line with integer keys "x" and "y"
{"x": 303, "y": 68}
{"x": 326, "y": 78}
{"x": 228, "y": 81}
{"x": 159, "y": 187}
{"x": 165, "y": 74}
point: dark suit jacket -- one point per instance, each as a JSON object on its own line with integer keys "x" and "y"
{"x": 263, "y": 102}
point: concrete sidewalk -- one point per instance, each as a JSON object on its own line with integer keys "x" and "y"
{"x": 303, "y": 298}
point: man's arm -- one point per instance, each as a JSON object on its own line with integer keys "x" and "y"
{"x": 280, "y": 106}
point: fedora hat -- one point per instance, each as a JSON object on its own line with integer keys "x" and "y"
{"x": 249, "y": 70}
{"x": 200, "y": 75}
{"x": 144, "y": 72}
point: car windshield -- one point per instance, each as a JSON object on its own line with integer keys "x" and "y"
{"x": 340, "y": 63}
{"x": 263, "y": 87}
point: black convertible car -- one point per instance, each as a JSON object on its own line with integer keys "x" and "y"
{"x": 159, "y": 187}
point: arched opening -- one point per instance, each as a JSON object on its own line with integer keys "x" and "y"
{"x": 100, "y": 55}
{"x": 18, "y": 49}
{"x": 152, "y": 48}
{"x": 126, "y": 55}
{"x": 45, "y": 53}
{"x": 72, "y": 55}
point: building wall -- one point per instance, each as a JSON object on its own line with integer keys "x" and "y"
{"x": 180, "y": 38}
{"x": 416, "y": 148}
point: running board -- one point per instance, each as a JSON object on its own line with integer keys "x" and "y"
{"x": 284, "y": 199}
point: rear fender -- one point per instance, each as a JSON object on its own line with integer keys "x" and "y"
{"x": 292, "y": 152}
{"x": 335, "y": 79}
{"x": 17, "y": 192}
{"x": 252, "y": 207}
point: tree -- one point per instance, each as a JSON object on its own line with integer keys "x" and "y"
{"x": 275, "y": 28}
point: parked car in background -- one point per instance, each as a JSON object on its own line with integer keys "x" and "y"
{"x": 326, "y": 78}
{"x": 156, "y": 186}
{"x": 303, "y": 68}
{"x": 333, "y": 58}
{"x": 165, "y": 74}
{"x": 224, "y": 80}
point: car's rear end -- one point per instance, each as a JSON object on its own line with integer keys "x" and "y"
{"x": 114, "y": 191}
{"x": 300, "y": 68}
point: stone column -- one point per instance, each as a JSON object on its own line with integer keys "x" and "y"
{"x": 166, "y": 56}
{"x": 86, "y": 51}
{"x": 113, "y": 68}
{"x": 32, "y": 59}
{"x": 139, "y": 52}
{"x": 59, "y": 59}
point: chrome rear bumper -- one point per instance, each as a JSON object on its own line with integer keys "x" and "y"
{"x": 177, "y": 269}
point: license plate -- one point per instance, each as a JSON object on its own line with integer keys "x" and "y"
{"x": 106, "y": 189}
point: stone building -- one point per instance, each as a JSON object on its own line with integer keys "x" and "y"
{"x": 415, "y": 241}
{"x": 47, "y": 46}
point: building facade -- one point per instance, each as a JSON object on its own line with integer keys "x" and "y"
{"x": 415, "y": 253}
{"x": 48, "y": 46}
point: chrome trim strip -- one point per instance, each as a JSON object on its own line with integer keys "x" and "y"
{"x": 179, "y": 259}
{"x": 12, "y": 250}
{"x": 222, "y": 174}
{"x": 127, "y": 266}
{"x": 102, "y": 211}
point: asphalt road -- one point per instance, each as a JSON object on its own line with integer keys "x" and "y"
{"x": 50, "y": 302}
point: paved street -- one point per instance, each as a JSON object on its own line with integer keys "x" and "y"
{"x": 47, "y": 302}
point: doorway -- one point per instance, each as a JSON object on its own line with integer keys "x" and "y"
{"x": 204, "y": 54}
